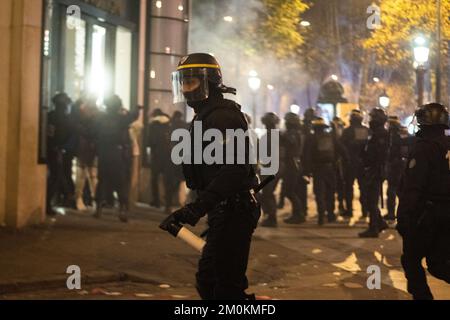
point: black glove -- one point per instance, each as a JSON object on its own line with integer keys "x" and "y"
{"x": 190, "y": 214}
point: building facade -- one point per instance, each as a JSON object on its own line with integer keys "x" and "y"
{"x": 81, "y": 47}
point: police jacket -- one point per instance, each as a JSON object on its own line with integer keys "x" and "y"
{"x": 218, "y": 181}
{"x": 290, "y": 151}
{"x": 354, "y": 139}
{"x": 112, "y": 131}
{"x": 375, "y": 154}
{"x": 322, "y": 149}
{"x": 158, "y": 139}
{"x": 427, "y": 177}
{"x": 396, "y": 147}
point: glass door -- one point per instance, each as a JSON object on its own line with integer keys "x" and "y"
{"x": 74, "y": 56}
{"x": 98, "y": 78}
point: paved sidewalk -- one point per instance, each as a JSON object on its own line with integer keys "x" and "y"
{"x": 132, "y": 261}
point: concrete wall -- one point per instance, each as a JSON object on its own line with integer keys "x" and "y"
{"x": 22, "y": 180}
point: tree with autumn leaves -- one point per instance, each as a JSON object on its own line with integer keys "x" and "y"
{"x": 392, "y": 43}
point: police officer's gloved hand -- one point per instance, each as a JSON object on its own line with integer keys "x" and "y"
{"x": 190, "y": 213}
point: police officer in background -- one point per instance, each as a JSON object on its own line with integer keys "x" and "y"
{"x": 268, "y": 201}
{"x": 158, "y": 140}
{"x": 424, "y": 207}
{"x": 222, "y": 189}
{"x": 338, "y": 126}
{"x": 322, "y": 152}
{"x": 59, "y": 132}
{"x": 395, "y": 164}
{"x": 291, "y": 166}
{"x": 354, "y": 139}
{"x": 374, "y": 161}
{"x": 113, "y": 147}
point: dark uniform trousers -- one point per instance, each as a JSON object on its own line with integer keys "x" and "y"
{"x": 394, "y": 176}
{"x": 268, "y": 199}
{"x": 430, "y": 239}
{"x": 324, "y": 186}
{"x": 303, "y": 194}
{"x": 373, "y": 191}
{"x": 222, "y": 267}
{"x": 291, "y": 186}
{"x": 355, "y": 172}
{"x": 113, "y": 174}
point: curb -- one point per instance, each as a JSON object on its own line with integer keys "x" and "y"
{"x": 58, "y": 281}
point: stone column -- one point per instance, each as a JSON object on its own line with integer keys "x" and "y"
{"x": 22, "y": 179}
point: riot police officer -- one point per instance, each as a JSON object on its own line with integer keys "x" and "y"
{"x": 113, "y": 147}
{"x": 59, "y": 136}
{"x": 268, "y": 201}
{"x": 374, "y": 161}
{"x": 338, "y": 126}
{"x": 291, "y": 166}
{"x": 354, "y": 139}
{"x": 424, "y": 206}
{"x": 222, "y": 187}
{"x": 323, "y": 150}
{"x": 395, "y": 164}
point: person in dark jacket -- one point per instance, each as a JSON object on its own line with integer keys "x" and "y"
{"x": 113, "y": 147}
{"x": 291, "y": 167}
{"x": 395, "y": 164}
{"x": 223, "y": 187}
{"x": 175, "y": 173}
{"x": 323, "y": 149}
{"x": 424, "y": 207}
{"x": 268, "y": 199}
{"x": 374, "y": 161}
{"x": 354, "y": 139}
{"x": 59, "y": 137}
{"x": 86, "y": 153}
{"x": 338, "y": 126}
{"x": 158, "y": 140}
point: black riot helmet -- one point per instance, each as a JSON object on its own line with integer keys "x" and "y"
{"x": 270, "y": 120}
{"x": 197, "y": 75}
{"x": 309, "y": 115}
{"x": 292, "y": 120}
{"x": 356, "y": 116}
{"x": 432, "y": 114}
{"x": 319, "y": 123}
{"x": 113, "y": 104}
{"x": 394, "y": 122}
{"x": 378, "y": 117}
{"x": 61, "y": 101}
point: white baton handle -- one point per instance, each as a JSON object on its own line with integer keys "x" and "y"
{"x": 191, "y": 239}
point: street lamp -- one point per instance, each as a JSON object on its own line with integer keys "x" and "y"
{"x": 294, "y": 109}
{"x": 384, "y": 100}
{"x": 305, "y": 23}
{"x": 228, "y": 19}
{"x": 254, "y": 83}
{"x": 421, "y": 54}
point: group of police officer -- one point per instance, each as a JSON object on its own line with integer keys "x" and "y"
{"x": 311, "y": 149}
{"x": 335, "y": 157}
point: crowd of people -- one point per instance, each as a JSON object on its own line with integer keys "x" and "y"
{"x": 96, "y": 147}
{"x": 333, "y": 157}
{"x": 101, "y": 144}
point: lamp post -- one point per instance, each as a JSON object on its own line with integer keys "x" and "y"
{"x": 384, "y": 100}
{"x": 254, "y": 83}
{"x": 438, "y": 54}
{"x": 421, "y": 54}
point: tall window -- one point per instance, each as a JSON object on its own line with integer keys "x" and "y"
{"x": 168, "y": 43}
